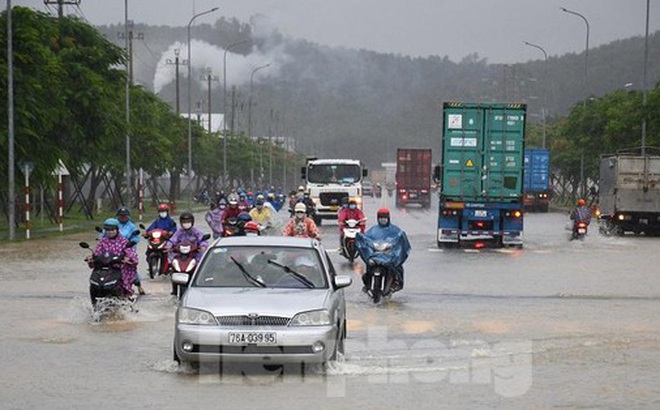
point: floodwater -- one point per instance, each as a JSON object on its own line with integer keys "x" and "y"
{"x": 558, "y": 323}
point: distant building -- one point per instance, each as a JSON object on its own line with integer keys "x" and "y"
{"x": 217, "y": 121}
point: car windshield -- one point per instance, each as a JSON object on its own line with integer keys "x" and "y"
{"x": 266, "y": 267}
{"x": 328, "y": 173}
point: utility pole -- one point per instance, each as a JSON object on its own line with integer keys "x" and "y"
{"x": 129, "y": 42}
{"x": 210, "y": 77}
{"x": 177, "y": 62}
{"x": 61, "y": 4}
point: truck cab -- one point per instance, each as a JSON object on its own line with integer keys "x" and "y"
{"x": 328, "y": 181}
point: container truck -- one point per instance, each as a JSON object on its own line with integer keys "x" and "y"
{"x": 629, "y": 194}
{"x": 536, "y": 180}
{"x": 413, "y": 177}
{"x": 328, "y": 181}
{"x": 481, "y": 174}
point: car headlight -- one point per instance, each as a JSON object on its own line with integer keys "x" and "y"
{"x": 187, "y": 316}
{"x": 312, "y": 318}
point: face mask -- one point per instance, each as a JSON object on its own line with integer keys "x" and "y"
{"x": 186, "y": 225}
{"x": 260, "y": 207}
{"x": 111, "y": 233}
{"x": 352, "y": 206}
{"x": 222, "y": 207}
{"x": 383, "y": 221}
{"x": 300, "y": 216}
{"x": 162, "y": 214}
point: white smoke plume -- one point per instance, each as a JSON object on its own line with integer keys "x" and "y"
{"x": 205, "y": 55}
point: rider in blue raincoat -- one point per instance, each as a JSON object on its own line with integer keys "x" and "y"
{"x": 385, "y": 231}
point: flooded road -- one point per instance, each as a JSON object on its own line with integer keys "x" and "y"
{"x": 555, "y": 324}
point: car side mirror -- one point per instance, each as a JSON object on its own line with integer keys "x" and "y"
{"x": 343, "y": 281}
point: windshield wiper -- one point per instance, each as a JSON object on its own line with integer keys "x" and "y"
{"x": 248, "y": 277}
{"x": 293, "y": 273}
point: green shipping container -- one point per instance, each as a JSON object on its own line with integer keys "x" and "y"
{"x": 483, "y": 151}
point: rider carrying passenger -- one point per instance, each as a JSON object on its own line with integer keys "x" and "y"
{"x": 301, "y": 225}
{"x": 114, "y": 243}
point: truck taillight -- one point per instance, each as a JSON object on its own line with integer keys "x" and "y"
{"x": 514, "y": 214}
{"x": 449, "y": 212}
{"x": 425, "y": 191}
{"x": 402, "y": 191}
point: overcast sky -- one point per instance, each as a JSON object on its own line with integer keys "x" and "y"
{"x": 495, "y": 29}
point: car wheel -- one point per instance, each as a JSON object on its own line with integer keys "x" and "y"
{"x": 175, "y": 356}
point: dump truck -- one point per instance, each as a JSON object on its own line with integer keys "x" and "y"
{"x": 481, "y": 174}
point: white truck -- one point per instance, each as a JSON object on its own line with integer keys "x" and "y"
{"x": 629, "y": 194}
{"x": 328, "y": 181}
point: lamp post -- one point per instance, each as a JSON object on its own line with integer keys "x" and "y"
{"x": 545, "y": 92}
{"x": 11, "y": 205}
{"x": 189, "y": 90}
{"x": 586, "y": 50}
{"x": 250, "y": 98}
{"x": 644, "y": 91}
{"x": 224, "y": 109}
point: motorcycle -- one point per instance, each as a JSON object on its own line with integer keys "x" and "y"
{"x": 184, "y": 265}
{"x": 378, "y": 191}
{"x": 379, "y": 279}
{"x": 105, "y": 279}
{"x": 579, "y": 230}
{"x": 351, "y": 228}
{"x": 157, "y": 259}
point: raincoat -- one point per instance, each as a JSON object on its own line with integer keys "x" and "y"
{"x": 396, "y": 256}
{"x": 117, "y": 246}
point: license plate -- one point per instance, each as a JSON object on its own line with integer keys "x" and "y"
{"x": 413, "y": 195}
{"x": 245, "y": 338}
{"x": 643, "y": 221}
{"x": 481, "y": 213}
{"x": 582, "y": 231}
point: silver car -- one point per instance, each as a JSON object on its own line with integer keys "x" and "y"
{"x": 262, "y": 299}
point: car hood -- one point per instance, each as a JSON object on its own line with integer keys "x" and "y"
{"x": 263, "y": 301}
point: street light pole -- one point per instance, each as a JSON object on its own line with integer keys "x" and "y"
{"x": 644, "y": 91}
{"x": 224, "y": 109}
{"x": 128, "y": 108}
{"x": 189, "y": 90}
{"x": 250, "y": 98}
{"x": 545, "y": 92}
{"x": 586, "y": 51}
{"x": 11, "y": 205}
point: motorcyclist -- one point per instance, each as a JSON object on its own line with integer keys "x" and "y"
{"x": 128, "y": 230}
{"x": 243, "y": 203}
{"x": 232, "y": 211}
{"x": 350, "y": 212}
{"x": 113, "y": 242}
{"x": 262, "y": 214}
{"x": 214, "y": 217}
{"x": 387, "y": 232}
{"x": 187, "y": 233}
{"x": 301, "y": 225}
{"x": 164, "y": 220}
{"x": 251, "y": 229}
{"x": 242, "y": 219}
{"x": 581, "y": 213}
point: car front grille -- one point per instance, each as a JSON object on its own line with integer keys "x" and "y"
{"x": 252, "y": 321}
{"x": 332, "y": 198}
